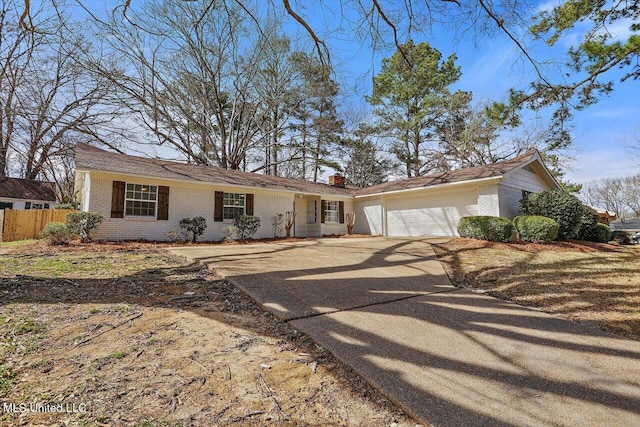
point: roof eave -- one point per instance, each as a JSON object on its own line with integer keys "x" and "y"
{"x": 82, "y": 169}
{"x": 436, "y": 186}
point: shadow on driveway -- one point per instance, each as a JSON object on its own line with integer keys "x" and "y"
{"x": 446, "y": 355}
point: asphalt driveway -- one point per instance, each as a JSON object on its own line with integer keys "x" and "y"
{"x": 446, "y": 355}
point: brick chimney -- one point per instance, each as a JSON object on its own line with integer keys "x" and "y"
{"x": 336, "y": 180}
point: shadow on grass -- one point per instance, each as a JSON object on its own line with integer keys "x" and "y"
{"x": 445, "y": 355}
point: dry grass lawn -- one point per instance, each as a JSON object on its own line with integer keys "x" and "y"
{"x": 144, "y": 339}
{"x": 577, "y": 280}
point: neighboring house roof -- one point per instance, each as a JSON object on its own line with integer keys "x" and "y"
{"x": 629, "y": 224}
{"x": 89, "y": 157}
{"x": 494, "y": 170}
{"x": 28, "y": 189}
{"x": 605, "y": 212}
{"x": 92, "y": 158}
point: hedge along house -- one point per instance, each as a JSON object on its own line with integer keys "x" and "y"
{"x": 146, "y": 198}
{"x": 19, "y": 194}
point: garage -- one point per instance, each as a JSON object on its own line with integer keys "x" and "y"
{"x": 432, "y": 215}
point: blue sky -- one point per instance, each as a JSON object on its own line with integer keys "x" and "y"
{"x": 490, "y": 66}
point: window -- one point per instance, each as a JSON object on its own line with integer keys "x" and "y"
{"x": 525, "y": 194}
{"x": 141, "y": 200}
{"x": 233, "y": 206}
{"x": 6, "y": 205}
{"x": 331, "y": 211}
{"x": 312, "y": 212}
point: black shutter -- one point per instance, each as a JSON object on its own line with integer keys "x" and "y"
{"x": 163, "y": 203}
{"x": 341, "y": 212}
{"x": 323, "y": 207}
{"x": 248, "y": 198}
{"x": 217, "y": 208}
{"x": 117, "y": 199}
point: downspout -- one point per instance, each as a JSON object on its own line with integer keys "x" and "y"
{"x": 385, "y": 224}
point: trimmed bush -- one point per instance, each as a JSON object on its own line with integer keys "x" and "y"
{"x": 492, "y": 228}
{"x": 247, "y": 225}
{"x": 195, "y": 226}
{"x": 588, "y": 224}
{"x": 56, "y": 233}
{"x": 535, "y": 228}
{"x": 84, "y": 224}
{"x": 566, "y": 209}
{"x": 64, "y": 206}
{"x": 602, "y": 233}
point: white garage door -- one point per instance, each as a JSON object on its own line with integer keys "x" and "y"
{"x": 432, "y": 215}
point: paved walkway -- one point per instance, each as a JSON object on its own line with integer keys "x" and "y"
{"x": 448, "y": 356}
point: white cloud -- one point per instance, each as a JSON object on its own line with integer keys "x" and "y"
{"x": 619, "y": 30}
{"x": 613, "y": 113}
{"x": 612, "y": 162}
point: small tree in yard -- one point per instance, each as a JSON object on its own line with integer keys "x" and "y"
{"x": 291, "y": 219}
{"x": 247, "y": 225}
{"x": 277, "y": 221}
{"x": 84, "y": 224}
{"x": 195, "y": 226}
{"x": 350, "y": 218}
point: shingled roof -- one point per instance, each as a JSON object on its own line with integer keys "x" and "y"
{"x": 29, "y": 189}
{"x": 493, "y": 170}
{"x": 92, "y": 158}
{"x": 89, "y": 157}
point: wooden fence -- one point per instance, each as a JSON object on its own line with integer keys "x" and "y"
{"x": 27, "y": 224}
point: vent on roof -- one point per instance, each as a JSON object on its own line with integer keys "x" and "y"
{"x": 336, "y": 181}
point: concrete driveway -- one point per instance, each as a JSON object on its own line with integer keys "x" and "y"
{"x": 447, "y": 356}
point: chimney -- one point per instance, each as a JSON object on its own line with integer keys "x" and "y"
{"x": 336, "y": 180}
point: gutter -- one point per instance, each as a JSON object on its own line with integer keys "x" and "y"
{"x": 244, "y": 187}
{"x": 495, "y": 179}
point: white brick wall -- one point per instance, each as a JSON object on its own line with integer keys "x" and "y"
{"x": 184, "y": 201}
{"x": 368, "y": 216}
{"x": 488, "y": 200}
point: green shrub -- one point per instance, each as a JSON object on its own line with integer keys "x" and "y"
{"x": 195, "y": 226}
{"x": 56, "y": 233}
{"x": 492, "y": 228}
{"x": 64, "y": 206}
{"x": 589, "y": 221}
{"x": 533, "y": 228}
{"x": 602, "y": 233}
{"x": 84, "y": 224}
{"x": 566, "y": 209}
{"x": 247, "y": 225}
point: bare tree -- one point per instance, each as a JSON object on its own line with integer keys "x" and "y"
{"x": 618, "y": 195}
{"x": 187, "y": 72}
{"x": 279, "y": 88}
{"x": 48, "y": 95}
{"x": 16, "y": 49}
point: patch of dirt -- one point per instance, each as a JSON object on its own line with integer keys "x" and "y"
{"x": 145, "y": 245}
{"x": 576, "y": 280}
{"x": 568, "y": 246}
{"x": 169, "y": 344}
